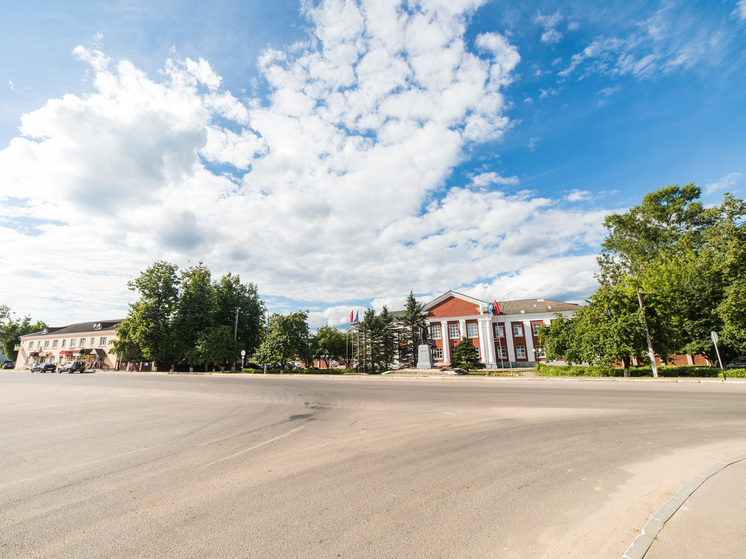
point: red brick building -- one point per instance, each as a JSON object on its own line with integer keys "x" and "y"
{"x": 504, "y": 338}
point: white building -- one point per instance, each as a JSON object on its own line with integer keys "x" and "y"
{"x": 86, "y": 341}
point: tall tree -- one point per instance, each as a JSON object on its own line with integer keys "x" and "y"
{"x": 412, "y": 321}
{"x": 194, "y": 312}
{"x": 667, "y": 224}
{"x": 152, "y": 314}
{"x": 238, "y": 305}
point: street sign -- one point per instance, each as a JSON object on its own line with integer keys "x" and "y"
{"x": 243, "y": 353}
{"x": 714, "y": 336}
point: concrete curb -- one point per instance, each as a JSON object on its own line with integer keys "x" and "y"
{"x": 644, "y": 541}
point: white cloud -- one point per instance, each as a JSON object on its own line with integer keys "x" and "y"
{"x": 487, "y": 179}
{"x": 725, "y": 183}
{"x": 549, "y": 22}
{"x": 333, "y": 188}
{"x": 578, "y": 195}
{"x": 673, "y": 38}
{"x": 740, "y": 11}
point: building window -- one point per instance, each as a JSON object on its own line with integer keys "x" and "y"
{"x": 435, "y": 332}
{"x": 82, "y": 342}
{"x": 541, "y": 352}
{"x": 499, "y": 330}
{"x": 502, "y": 352}
{"x": 38, "y": 344}
{"x": 64, "y": 342}
{"x": 535, "y": 327}
{"x": 46, "y": 344}
{"x": 471, "y": 330}
{"x": 453, "y": 331}
{"x": 102, "y": 341}
{"x": 520, "y": 352}
{"x": 438, "y": 353}
{"x": 31, "y": 345}
{"x": 517, "y": 330}
{"x": 93, "y": 341}
{"x": 54, "y": 343}
{"x": 72, "y": 342}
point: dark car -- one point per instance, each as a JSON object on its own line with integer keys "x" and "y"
{"x": 72, "y": 366}
{"x": 9, "y": 365}
{"x": 44, "y": 368}
{"x": 737, "y": 363}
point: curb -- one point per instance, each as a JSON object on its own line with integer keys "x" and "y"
{"x": 652, "y": 528}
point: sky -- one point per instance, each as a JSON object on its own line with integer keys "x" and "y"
{"x": 342, "y": 154}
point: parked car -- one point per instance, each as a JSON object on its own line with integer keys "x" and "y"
{"x": 72, "y": 366}
{"x": 737, "y": 363}
{"x": 44, "y": 368}
{"x": 9, "y": 365}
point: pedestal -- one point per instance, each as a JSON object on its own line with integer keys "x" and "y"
{"x": 424, "y": 357}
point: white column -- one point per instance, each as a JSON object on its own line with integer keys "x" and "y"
{"x": 446, "y": 336}
{"x": 510, "y": 348}
{"x": 487, "y": 340}
{"x": 461, "y": 329}
{"x": 528, "y": 334}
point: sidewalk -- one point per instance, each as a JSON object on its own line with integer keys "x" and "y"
{"x": 706, "y": 519}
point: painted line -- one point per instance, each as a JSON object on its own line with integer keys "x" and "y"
{"x": 253, "y": 447}
{"x": 644, "y": 541}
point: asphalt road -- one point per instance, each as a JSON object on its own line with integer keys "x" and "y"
{"x": 127, "y": 465}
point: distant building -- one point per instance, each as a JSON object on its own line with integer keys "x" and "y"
{"x": 509, "y": 337}
{"x": 85, "y": 341}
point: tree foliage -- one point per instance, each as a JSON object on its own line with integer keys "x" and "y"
{"x": 411, "y": 322}
{"x": 465, "y": 355}
{"x": 671, "y": 272}
{"x": 328, "y": 344}
{"x": 287, "y": 339}
{"x": 11, "y": 331}
{"x": 178, "y": 313}
{"x": 376, "y": 340}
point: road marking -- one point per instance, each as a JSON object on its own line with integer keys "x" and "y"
{"x": 253, "y": 447}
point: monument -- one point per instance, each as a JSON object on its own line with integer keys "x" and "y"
{"x": 424, "y": 355}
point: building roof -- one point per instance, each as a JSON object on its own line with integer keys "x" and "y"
{"x": 529, "y": 306}
{"x": 80, "y": 327}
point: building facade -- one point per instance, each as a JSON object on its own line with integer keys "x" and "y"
{"x": 505, "y": 338}
{"x": 87, "y": 341}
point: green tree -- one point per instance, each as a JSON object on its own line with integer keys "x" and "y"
{"x": 668, "y": 223}
{"x": 125, "y": 347}
{"x": 287, "y": 338}
{"x": 465, "y": 355}
{"x": 238, "y": 305}
{"x": 215, "y": 346}
{"x": 411, "y": 323}
{"x": 152, "y": 314}
{"x": 328, "y": 344}
{"x": 12, "y": 330}
{"x": 194, "y": 313}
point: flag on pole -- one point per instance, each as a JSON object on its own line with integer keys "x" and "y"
{"x": 357, "y": 317}
{"x": 497, "y": 307}
{"x": 489, "y": 309}
{"x": 352, "y": 317}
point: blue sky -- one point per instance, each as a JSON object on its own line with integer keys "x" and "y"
{"x": 340, "y": 154}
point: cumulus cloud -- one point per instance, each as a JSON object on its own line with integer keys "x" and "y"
{"x": 740, "y": 11}
{"x": 334, "y": 187}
